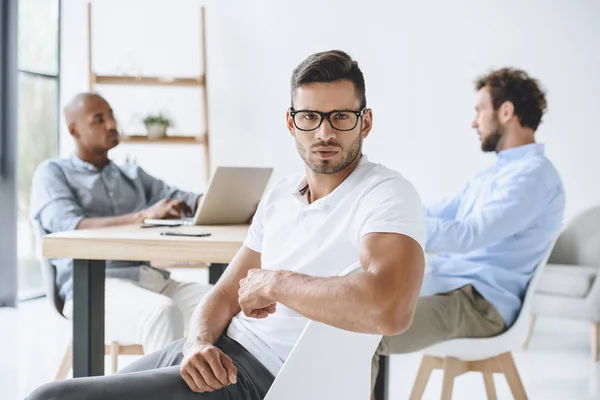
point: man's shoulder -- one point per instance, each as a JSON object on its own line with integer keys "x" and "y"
{"x": 537, "y": 169}
{"x": 382, "y": 179}
{"x": 384, "y": 185}
{"x": 52, "y": 168}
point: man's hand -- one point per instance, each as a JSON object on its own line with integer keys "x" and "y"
{"x": 166, "y": 208}
{"x": 205, "y": 368}
{"x": 255, "y": 293}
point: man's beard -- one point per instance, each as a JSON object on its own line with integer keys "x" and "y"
{"x": 327, "y": 166}
{"x": 492, "y": 141}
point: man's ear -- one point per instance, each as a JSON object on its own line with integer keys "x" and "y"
{"x": 506, "y": 112}
{"x": 367, "y": 123}
{"x": 73, "y": 130}
{"x": 289, "y": 121}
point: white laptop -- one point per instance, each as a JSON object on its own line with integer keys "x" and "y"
{"x": 231, "y": 198}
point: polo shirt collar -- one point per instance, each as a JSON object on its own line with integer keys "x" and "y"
{"x": 299, "y": 191}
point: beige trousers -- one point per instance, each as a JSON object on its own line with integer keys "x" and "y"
{"x": 152, "y": 312}
{"x": 462, "y": 313}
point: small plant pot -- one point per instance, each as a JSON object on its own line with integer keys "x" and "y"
{"x": 156, "y": 131}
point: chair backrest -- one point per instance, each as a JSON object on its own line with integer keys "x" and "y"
{"x": 579, "y": 242}
{"x": 327, "y": 363}
{"x": 521, "y": 325}
{"x": 48, "y": 270}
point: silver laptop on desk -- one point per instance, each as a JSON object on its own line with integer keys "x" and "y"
{"x": 231, "y": 198}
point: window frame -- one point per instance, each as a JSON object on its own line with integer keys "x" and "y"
{"x": 34, "y": 294}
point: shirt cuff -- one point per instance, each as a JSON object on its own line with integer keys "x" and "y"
{"x": 253, "y": 244}
{"x": 70, "y": 224}
{"x": 193, "y": 201}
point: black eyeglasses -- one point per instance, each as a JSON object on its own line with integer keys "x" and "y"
{"x": 341, "y": 120}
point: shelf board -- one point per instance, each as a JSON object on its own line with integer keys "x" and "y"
{"x": 165, "y": 140}
{"x": 148, "y": 80}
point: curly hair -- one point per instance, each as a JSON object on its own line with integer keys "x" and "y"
{"x": 329, "y": 66}
{"x": 516, "y": 86}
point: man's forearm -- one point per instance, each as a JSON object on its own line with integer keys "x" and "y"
{"x": 211, "y": 317}
{"x": 355, "y": 302}
{"x": 127, "y": 219}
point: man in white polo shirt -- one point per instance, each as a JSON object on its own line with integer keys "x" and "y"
{"x": 307, "y": 230}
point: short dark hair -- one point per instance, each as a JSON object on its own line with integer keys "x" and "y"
{"x": 516, "y": 86}
{"x": 329, "y": 66}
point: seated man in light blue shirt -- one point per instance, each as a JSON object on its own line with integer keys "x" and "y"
{"x": 88, "y": 190}
{"x": 490, "y": 237}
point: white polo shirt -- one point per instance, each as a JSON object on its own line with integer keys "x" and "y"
{"x": 321, "y": 239}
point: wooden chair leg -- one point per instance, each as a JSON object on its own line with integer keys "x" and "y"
{"x": 114, "y": 356}
{"x": 452, "y": 368}
{"x": 427, "y": 365}
{"x": 490, "y": 387}
{"x": 507, "y": 364}
{"x": 65, "y": 364}
{"x": 595, "y": 341}
{"x": 530, "y": 333}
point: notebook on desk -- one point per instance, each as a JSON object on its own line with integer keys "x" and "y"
{"x": 231, "y": 198}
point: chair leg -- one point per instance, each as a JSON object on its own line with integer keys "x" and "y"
{"x": 530, "y": 333}
{"x": 114, "y": 356}
{"x": 65, "y": 364}
{"x": 452, "y": 369}
{"x": 507, "y": 364}
{"x": 427, "y": 365}
{"x": 595, "y": 341}
{"x": 490, "y": 387}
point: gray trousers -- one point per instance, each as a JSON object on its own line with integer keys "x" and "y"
{"x": 156, "y": 377}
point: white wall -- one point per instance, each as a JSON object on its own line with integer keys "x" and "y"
{"x": 419, "y": 61}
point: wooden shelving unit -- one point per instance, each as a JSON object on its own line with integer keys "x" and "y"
{"x": 148, "y": 80}
{"x": 194, "y": 82}
{"x": 181, "y": 139}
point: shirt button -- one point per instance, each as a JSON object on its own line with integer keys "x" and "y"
{"x": 110, "y": 194}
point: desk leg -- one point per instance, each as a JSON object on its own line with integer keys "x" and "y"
{"x": 215, "y": 271}
{"x": 88, "y": 318}
{"x": 382, "y": 382}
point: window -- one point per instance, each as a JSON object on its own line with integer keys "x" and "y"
{"x": 38, "y": 129}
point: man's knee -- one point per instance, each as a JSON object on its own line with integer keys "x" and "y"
{"x": 54, "y": 391}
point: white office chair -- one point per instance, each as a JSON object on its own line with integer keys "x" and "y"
{"x": 486, "y": 355}
{"x": 570, "y": 286}
{"x": 327, "y": 363}
{"x": 49, "y": 276}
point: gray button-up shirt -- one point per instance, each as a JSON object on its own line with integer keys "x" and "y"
{"x": 65, "y": 191}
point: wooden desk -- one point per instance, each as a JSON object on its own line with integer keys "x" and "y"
{"x": 91, "y": 248}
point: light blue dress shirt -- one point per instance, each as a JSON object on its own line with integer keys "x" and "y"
{"x": 497, "y": 229}
{"x": 65, "y": 191}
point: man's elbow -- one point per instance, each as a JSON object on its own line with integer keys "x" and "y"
{"x": 394, "y": 321}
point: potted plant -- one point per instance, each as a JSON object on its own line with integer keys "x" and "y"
{"x": 156, "y": 125}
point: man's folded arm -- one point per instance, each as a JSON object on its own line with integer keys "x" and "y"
{"x": 380, "y": 300}
{"x": 54, "y": 206}
{"x": 510, "y": 209}
{"x": 215, "y": 311}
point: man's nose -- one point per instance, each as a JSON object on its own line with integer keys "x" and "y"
{"x": 111, "y": 124}
{"x": 325, "y": 131}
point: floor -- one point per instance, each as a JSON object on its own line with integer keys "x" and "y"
{"x": 557, "y": 365}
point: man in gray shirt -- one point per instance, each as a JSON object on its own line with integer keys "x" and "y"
{"x": 88, "y": 190}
